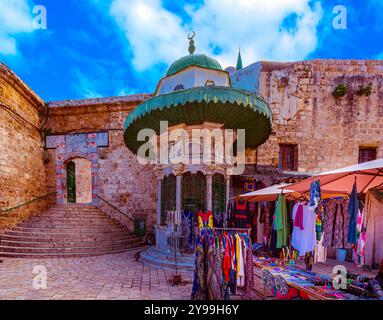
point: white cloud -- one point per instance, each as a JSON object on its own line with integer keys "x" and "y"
{"x": 84, "y": 86}
{"x": 15, "y": 18}
{"x": 154, "y": 33}
{"x": 257, "y": 26}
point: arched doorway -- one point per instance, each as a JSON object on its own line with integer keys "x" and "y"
{"x": 194, "y": 192}
{"x": 79, "y": 181}
{"x": 71, "y": 182}
{"x": 168, "y": 196}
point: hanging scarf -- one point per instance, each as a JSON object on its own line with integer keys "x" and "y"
{"x": 353, "y": 208}
{"x": 280, "y": 222}
{"x": 298, "y": 221}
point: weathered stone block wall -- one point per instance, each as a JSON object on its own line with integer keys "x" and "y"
{"x": 328, "y": 131}
{"x": 22, "y": 173}
{"x": 123, "y": 182}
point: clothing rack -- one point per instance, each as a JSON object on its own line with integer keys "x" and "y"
{"x": 247, "y": 230}
{"x": 233, "y": 229}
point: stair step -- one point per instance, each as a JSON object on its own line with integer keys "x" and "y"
{"x": 58, "y": 250}
{"x": 68, "y": 243}
{"x": 66, "y": 255}
{"x": 58, "y": 235}
{"x": 68, "y": 228}
{"x": 67, "y": 231}
{"x": 56, "y": 238}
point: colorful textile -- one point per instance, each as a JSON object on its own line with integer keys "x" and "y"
{"x": 198, "y": 290}
{"x": 240, "y": 262}
{"x": 304, "y": 240}
{"x": 315, "y": 194}
{"x": 280, "y": 222}
{"x": 336, "y": 220}
{"x": 250, "y": 184}
{"x": 353, "y": 208}
{"x": 223, "y": 262}
{"x": 241, "y": 214}
{"x": 205, "y": 220}
{"x": 319, "y": 221}
{"x": 213, "y": 270}
{"x": 218, "y": 219}
{"x": 361, "y": 240}
{"x": 298, "y": 219}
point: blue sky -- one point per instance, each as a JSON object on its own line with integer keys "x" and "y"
{"x": 100, "y": 48}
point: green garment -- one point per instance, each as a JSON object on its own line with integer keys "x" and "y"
{"x": 280, "y": 222}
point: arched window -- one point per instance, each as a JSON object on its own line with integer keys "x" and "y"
{"x": 209, "y": 83}
{"x": 178, "y": 87}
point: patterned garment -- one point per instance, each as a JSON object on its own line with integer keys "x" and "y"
{"x": 242, "y": 214}
{"x": 361, "y": 241}
{"x": 218, "y": 219}
{"x": 336, "y": 223}
{"x": 198, "y": 290}
{"x": 187, "y": 228}
{"x": 315, "y": 194}
{"x": 250, "y": 184}
{"x": 213, "y": 269}
{"x": 249, "y": 273}
{"x": 205, "y": 220}
{"x": 215, "y": 274}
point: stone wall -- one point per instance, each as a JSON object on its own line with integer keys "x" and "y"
{"x": 123, "y": 182}
{"x": 22, "y": 173}
{"x": 328, "y": 131}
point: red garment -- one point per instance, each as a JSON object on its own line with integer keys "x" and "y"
{"x": 226, "y": 263}
{"x": 241, "y": 214}
{"x": 298, "y": 221}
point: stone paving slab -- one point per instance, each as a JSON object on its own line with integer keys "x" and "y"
{"x": 115, "y": 276}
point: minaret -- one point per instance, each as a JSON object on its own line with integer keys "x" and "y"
{"x": 239, "y": 60}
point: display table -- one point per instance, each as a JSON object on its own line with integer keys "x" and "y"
{"x": 299, "y": 280}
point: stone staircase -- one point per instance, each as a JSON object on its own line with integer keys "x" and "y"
{"x": 67, "y": 231}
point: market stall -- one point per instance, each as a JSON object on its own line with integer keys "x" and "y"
{"x": 301, "y": 221}
{"x": 362, "y": 219}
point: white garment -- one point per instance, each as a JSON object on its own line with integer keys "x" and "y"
{"x": 296, "y": 236}
{"x": 304, "y": 240}
{"x": 320, "y": 252}
{"x": 240, "y": 264}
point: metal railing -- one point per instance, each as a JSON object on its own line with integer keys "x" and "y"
{"x": 115, "y": 208}
{"x": 28, "y": 202}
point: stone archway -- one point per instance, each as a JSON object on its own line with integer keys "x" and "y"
{"x": 86, "y": 178}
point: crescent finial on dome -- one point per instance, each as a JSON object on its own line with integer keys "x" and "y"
{"x": 191, "y": 42}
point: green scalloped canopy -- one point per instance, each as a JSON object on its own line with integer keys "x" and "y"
{"x": 235, "y": 109}
{"x": 199, "y": 60}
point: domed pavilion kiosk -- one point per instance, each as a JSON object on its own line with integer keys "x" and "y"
{"x": 196, "y": 93}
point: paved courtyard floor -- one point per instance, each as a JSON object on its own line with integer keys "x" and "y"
{"x": 115, "y": 277}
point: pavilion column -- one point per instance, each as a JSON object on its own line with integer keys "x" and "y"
{"x": 159, "y": 201}
{"x": 227, "y": 192}
{"x": 178, "y": 192}
{"x": 209, "y": 192}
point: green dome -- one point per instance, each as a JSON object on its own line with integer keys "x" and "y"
{"x": 198, "y": 60}
{"x": 231, "y": 107}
